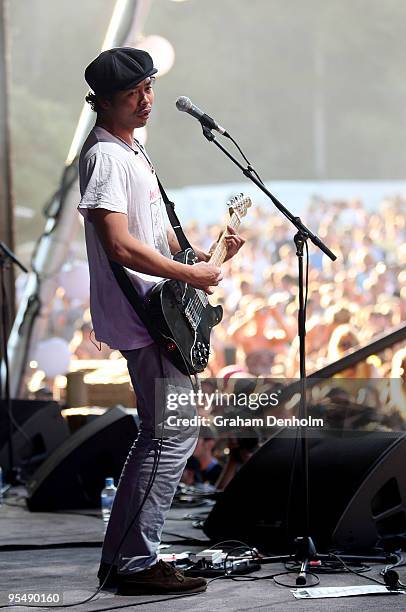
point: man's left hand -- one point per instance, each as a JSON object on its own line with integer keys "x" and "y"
{"x": 233, "y": 242}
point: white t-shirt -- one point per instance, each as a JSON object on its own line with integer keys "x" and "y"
{"x": 116, "y": 177}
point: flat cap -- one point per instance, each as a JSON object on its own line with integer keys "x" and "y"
{"x": 119, "y": 68}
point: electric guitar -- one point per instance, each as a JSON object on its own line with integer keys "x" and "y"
{"x": 180, "y": 316}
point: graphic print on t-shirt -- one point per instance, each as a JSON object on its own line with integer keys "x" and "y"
{"x": 158, "y": 228}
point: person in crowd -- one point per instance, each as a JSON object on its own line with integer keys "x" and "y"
{"x": 203, "y": 464}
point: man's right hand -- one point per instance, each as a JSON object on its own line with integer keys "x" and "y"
{"x": 204, "y": 276}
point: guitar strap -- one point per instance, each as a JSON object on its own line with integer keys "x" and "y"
{"x": 173, "y": 218}
{"x": 170, "y": 206}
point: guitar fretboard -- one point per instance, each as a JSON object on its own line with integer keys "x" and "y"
{"x": 220, "y": 252}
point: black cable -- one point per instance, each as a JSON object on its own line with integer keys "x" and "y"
{"x": 250, "y": 168}
{"x": 293, "y": 585}
{"x": 150, "y": 483}
{"x": 230, "y": 542}
{"x": 349, "y": 569}
{"x": 144, "y": 603}
{"x": 244, "y": 578}
{"x": 147, "y": 491}
{"x": 239, "y": 577}
{"x": 306, "y": 277}
{"x": 146, "y": 494}
{"x": 237, "y": 548}
{"x": 399, "y": 563}
{"x": 330, "y": 566}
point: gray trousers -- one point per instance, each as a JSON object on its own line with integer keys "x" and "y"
{"x": 148, "y": 368}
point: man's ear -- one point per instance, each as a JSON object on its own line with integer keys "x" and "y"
{"x": 104, "y": 103}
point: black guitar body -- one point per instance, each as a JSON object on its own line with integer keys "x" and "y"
{"x": 181, "y": 319}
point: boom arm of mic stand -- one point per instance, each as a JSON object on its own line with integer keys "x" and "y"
{"x": 296, "y": 221}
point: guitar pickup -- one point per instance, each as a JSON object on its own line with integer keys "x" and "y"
{"x": 192, "y": 315}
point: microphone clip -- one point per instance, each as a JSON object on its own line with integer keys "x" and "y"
{"x": 207, "y": 133}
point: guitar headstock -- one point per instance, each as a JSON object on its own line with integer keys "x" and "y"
{"x": 239, "y": 204}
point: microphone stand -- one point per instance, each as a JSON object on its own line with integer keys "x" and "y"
{"x": 305, "y": 548}
{"x": 6, "y": 258}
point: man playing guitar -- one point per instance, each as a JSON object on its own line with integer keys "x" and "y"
{"x": 125, "y": 222}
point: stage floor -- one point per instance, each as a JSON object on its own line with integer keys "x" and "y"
{"x": 38, "y": 562}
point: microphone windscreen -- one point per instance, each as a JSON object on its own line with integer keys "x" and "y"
{"x": 183, "y": 103}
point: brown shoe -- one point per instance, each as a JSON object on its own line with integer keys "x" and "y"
{"x": 161, "y": 578}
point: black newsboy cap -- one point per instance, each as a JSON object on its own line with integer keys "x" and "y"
{"x": 119, "y": 68}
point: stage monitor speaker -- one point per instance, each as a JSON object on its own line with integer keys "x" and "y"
{"x": 41, "y": 429}
{"x": 73, "y": 476}
{"x": 357, "y": 493}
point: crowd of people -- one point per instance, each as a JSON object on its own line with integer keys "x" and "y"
{"x": 350, "y": 301}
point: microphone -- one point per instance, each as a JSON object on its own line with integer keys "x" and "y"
{"x": 184, "y": 104}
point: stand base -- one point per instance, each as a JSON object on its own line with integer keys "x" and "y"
{"x": 306, "y": 553}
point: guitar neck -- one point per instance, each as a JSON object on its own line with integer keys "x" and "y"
{"x": 220, "y": 252}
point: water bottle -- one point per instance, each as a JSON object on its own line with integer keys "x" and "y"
{"x": 107, "y": 498}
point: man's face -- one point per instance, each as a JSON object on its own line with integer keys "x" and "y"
{"x": 132, "y": 107}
